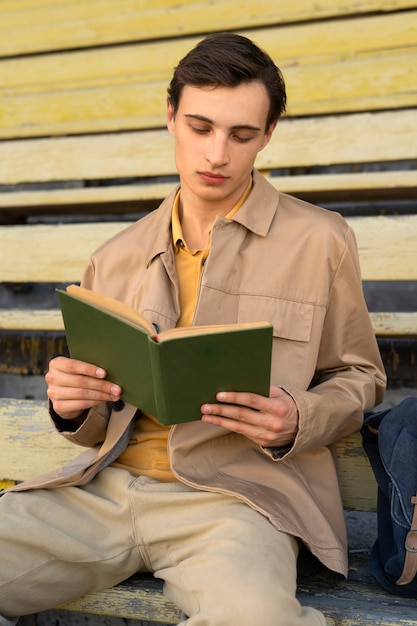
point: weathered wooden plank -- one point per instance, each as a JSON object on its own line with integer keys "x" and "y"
{"x": 69, "y": 247}
{"x": 351, "y": 138}
{"x": 139, "y": 598}
{"x": 356, "y": 601}
{"x": 389, "y": 324}
{"x": 29, "y": 444}
{"x": 386, "y": 247}
{"x": 28, "y": 26}
{"x": 28, "y": 352}
{"x": 32, "y": 319}
{"x": 134, "y": 198}
{"x": 357, "y": 481}
{"x": 394, "y": 324}
{"x": 58, "y": 94}
{"x": 88, "y": 196}
{"x": 27, "y": 431}
{"x": 149, "y": 62}
{"x": 140, "y": 106}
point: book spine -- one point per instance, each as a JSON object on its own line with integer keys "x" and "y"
{"x": 162, "y": 409}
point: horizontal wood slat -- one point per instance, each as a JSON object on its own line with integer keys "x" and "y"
{"x": 124, "y": 88}
{"x": 351, "y": 138}
{"x": 25, "y": 424}
{"x": 387, "y": 249}
{"x": 387, "y": 246}
{"x": 392, "y": 183}
{"x": 28, "y": 26}
{"x": 385, "y": 324}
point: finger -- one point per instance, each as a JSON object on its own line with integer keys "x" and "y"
{"x": 81, "y": 391}
{"x": 88, "y": 385}
{"x": 74, "y": 366}
{"x": 231, "y": 412}
{"x": 72, "y": 402}
{"x": 246, "y": 399}
{"x": 64, "y": 372}
{"x": 260, "y": 433}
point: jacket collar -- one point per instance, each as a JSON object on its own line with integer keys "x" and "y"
{"x": 256, "y": 214}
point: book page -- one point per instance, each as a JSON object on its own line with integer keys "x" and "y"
{"x": 110, "y": 305}
{"x": 187, "y": 331}
{"x": 126, "y": 313}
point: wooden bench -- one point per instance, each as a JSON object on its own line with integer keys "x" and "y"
{"x": 27, "y": 434}
{"x": 82, "y": 135}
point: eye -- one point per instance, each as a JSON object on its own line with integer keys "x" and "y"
{"x": 242, "y": 138}
{"x": 200, "y": 130}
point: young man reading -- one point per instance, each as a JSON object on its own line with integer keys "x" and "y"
{"x": 222, "y": 508}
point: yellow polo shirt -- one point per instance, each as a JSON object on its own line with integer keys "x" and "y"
{"x": 147, "y": 453}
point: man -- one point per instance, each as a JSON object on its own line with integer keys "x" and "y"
{"x": 221, "y": 508}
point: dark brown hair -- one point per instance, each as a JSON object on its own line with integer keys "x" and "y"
{"x": 227, "y": 60}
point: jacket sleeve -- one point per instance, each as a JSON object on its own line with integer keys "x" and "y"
{"x": 92, "y": 431}
{"x": 349, "y": 376}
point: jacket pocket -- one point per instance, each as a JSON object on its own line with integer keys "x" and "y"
{"x": 294, "y": 353}
{"x": 290, "y": 320}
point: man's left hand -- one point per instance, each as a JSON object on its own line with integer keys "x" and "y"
{"x": 269, "y": 422}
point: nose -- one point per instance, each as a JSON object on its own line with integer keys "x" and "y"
{"x": 217, "y": 150}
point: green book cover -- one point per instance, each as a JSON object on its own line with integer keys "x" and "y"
{"x": 172, "y": 374}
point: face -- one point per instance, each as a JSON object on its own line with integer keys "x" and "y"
{"x": 218, "y": 133}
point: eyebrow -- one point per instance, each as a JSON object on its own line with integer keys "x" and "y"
{"x": 202, "y": 118}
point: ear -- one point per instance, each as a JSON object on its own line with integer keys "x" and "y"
{"x": 268, "y": 134}
{"x": 170, "y": 117}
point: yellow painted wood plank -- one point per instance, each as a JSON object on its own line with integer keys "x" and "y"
{"x": 388, "y": 324}
{"x": 359, "y": 181}
{"x": 28, "y": 433}
{"x": 86, "y": 195}
{"x": 357, "y": 481}
{"x": 387, "y": 248}
{"x": 393, "y": 85}
{"x": 355, "y": 602}
{"x": 147, "y": 62}
{"x": 57, "y": 94}
{"x": 68, "y": 249}
{"x": 142, "y": 105}
{"x": 351, "y": 138}
{"x": 148, "y": 153}
{"x": 28, "y": 26}
{"x": 79, "y": 199}
{"x": 29, "y": 443}
{"x": 31, "y": 319}
{"x": 129, "y": 601}
{"x": 5, "y": 484}
{"x": 394, "y": 324}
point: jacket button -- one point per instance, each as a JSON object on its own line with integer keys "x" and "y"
{"x": 119, "y": 405}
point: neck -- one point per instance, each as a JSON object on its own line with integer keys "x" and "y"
{"x": 197, "y": 215}
{"x": 196, "y": 227}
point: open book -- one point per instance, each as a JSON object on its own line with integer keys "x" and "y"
{"x": 168, "y": 374}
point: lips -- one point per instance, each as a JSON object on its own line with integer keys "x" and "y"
{"x": 211, "y": 178}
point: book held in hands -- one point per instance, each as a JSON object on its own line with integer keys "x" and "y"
{"x": 168, "y": 374}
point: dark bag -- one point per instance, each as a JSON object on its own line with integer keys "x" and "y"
{"x": 390, "y": 441}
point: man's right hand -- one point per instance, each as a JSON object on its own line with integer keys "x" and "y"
{"x": 75, "y": 386}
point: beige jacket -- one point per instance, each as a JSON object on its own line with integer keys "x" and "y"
{"x": 295, "y": 265}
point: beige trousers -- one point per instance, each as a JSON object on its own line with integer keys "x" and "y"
{"x": 221, "y": 562}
